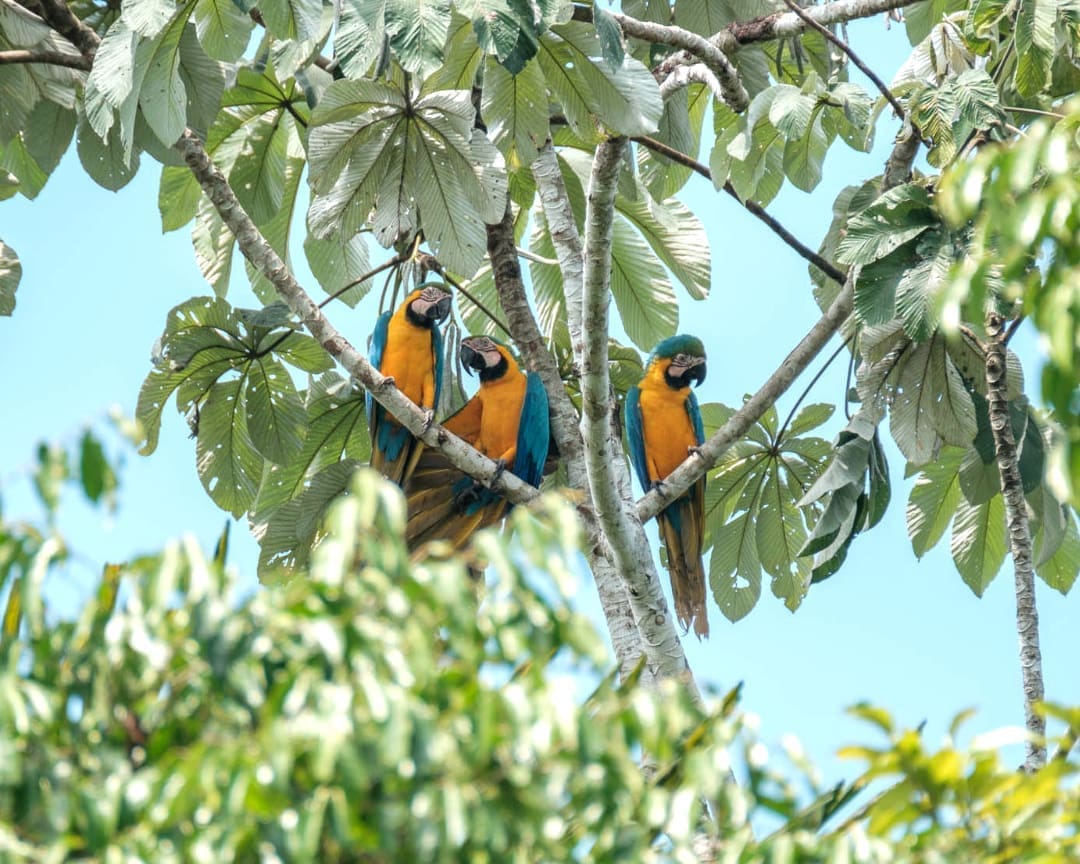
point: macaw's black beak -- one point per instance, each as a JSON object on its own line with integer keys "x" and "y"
{"x": 439, "y": 311}
{"x": 697, "y": 373}
{"x": 471, "y": 359}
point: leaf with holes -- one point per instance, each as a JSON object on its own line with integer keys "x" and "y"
{"x": 734, "y": 569}
{"x": 275, "y": 415}
{"x": 978, "y": 542}
{"x": 229, "y": 466}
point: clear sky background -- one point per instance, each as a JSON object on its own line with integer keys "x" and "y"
{"x": 99, "y": 278}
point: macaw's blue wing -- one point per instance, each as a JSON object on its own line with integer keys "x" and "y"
{"x": 392, "y": 445}
{"x": 534, "y": 432}
{"x": 437, "y": 350}
{"x": 694, "y": 410}
{"x": 635, "y": 437}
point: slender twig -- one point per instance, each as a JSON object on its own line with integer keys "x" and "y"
{"x": 536, "y": 259}
{"x": 371, "y": 274}
{"x": 810, "y": 386}
{"x": 1010, "y": 331}
{"x": 756, "y": 209}
{"x": 843, "y": 46}
{"x": 50, "y": 58}
{"x": 1067, "y": 744}
{"x": 1018, "y": 110}
{"x": 457, "y": 286}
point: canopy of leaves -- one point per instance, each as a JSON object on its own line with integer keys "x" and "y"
{"x": 491, "y": 712}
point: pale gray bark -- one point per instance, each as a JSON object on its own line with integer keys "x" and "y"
{"x": 625, "y": 638}
{"x": 732, "y": 90}
{"x": 49, "y": 58}
{"x": 565, "y": 239}
{"x": 609, "y": 481}
{"x": 681, "y": 76}
{"x": 1019, "y": 533}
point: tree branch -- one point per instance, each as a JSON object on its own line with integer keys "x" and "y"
{"x": 565, "y": 239}
{"x": 603, "y": 455}
{"x": 1019, "y": 532}
{"x": 760, "y": 212}
{"x": 255, "y": 248}
{"x": 51, "y": 58}
{"x": 681, "y": 76}
{"x": 780, "y": 25}
{"x": 732, "y": 90}
{"x": 58, "y": 16}
{"x": 897, "y": 170}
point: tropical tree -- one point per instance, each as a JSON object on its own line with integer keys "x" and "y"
{"x": 449, "y": 134}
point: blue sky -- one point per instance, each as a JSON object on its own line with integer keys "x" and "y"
{"x": 99, "y": 278}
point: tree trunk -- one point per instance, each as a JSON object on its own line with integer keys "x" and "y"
{"x": 1019, "y": 533}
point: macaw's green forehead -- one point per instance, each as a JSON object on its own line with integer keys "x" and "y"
{"x": 680, "y": 344}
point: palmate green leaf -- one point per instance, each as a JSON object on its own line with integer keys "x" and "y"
{"x": 228, "y": 463}
{"x": 921, "y": 283}
{"x": 804, "y": 157}
{"x": 851, "y": 121}
{"x": 291, "y": 534}
{"x": 10, "y": 274}
{"x": 460, "y": 63}
{"x": 360, "y": 35}
{"x": 108, "y": 162}
{"x": 223, "y": 28}
{"x": 781, "y": 533}
{"x": 679, "y": 128}
{"x": 675, "y": 234}
{"x": 734, "y": 568}
{"x": 704, "y": 17}
{"x": 417, "y": 30}
{"x": 302, "y": 351}
{"x": 611, "y": 37}
{"x": 213, "y": 243}
{"x": 1035, "y": 42}
{"x": 424, "y": 164}
{"x": 336, "y": 430}
{"x": 919, "y": 20}
{"x": 895, "y": 218}
{"x": 292, "y": 19}
{"x": 515, "y": 109}
{"x": 278, "y": 230}
{"x": 337, "y": 264}
{"x": 646, "y": 302}
{"x": 979, "y": 542}
{"x": 1060, "y": 570}
{"x": 757, "y": 169}
{"x": 275, "y": 415}
{"x": 626, "y": 101}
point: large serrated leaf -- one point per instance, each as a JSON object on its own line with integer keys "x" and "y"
{"x": 223, "y": 28}
{"x": 337, "y": 264}
{"x": 626, "y": 101}
{"x": 978, "y": 542}
{"x": 275, "y": 416}
{"x": 229, "y": 466}
{"x": 734, "y": 568}
{"x": 417, "y": 31}
{"x": 895, "y": 218}
{"x": 647, "y": 306}
{"x": 781, "y": 533}
{"x": 515, "y": 108}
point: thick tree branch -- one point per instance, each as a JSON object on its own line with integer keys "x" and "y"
{"x": 625, "y": 637}
{"x": 780, "y": 25}
{"x": 530, "y": 342}
{"x": 760, "y": 212}
{"x": 50, "y": 58}
{"x": 843, "y": 46}
{"x": 1019, "y": 532}
{"x": 565, "y": 239}
{"x": 732, "y": 90}
{"x": 603, "y": 455}
{"x": 897, "y": 170}
{"x": 255, "y": 248}
{"x": 681, "y": 76}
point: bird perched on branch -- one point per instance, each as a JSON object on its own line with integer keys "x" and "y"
{"x": 507, "y": 420}
{"x": 663, "y": 425}
{"x": 408, "y": 347}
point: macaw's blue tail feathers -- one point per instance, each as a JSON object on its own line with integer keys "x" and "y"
{"x": 444, "y": 504}
{"x": 681, "y": 530}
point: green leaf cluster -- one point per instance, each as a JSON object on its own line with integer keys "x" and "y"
{"x": 752, "y": 522}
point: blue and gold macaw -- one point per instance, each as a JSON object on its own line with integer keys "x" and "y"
{"x": 507, "y": 420}
{"x": 408, "y": 347}
{"x": 663, "y": 425}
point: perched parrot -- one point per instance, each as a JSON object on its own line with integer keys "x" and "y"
{"x": 507, "y": 420}
{"x": 407, "y": 346}
{"x": 663, "y": 424}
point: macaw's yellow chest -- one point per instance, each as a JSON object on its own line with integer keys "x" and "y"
{"x": 501, "y": 401}
{"x": 666, "y": 428}
{"x": 409, "y": 359}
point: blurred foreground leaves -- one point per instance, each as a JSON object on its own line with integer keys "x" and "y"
{"x": 377, "y": 709}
